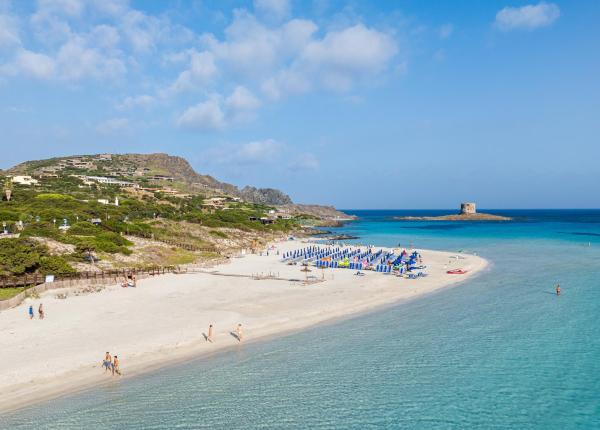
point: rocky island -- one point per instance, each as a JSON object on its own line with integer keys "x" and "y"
{"x": 468, "y": 212}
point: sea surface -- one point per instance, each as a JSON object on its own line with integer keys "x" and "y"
{"x": 500, "y": 351}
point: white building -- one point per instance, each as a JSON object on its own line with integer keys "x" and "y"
{"x": 111, "y": 181}
{"x": 24, "y": 180}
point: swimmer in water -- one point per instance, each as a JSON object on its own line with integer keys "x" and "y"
{"x": 558, "y": 289}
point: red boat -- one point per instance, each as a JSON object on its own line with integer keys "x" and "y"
{"x": 456, "y": 272}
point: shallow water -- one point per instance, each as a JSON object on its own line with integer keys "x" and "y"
{"x": 499, "y": 351}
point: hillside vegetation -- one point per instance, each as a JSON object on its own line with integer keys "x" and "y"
{"x": 65, "y": 219}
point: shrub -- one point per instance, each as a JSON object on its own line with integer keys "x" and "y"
{"x": 54, "y": 196}
{"x": 19, "y": 256}
{"x": 83, "y": 228}
{"x": 54, "y": 265}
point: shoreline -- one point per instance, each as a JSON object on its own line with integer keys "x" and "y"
{"x": 268, "y": 296}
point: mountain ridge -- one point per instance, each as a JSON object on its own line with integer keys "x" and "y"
{"x": 161, "y": 168}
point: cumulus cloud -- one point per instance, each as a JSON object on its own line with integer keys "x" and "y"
{"x": 105, "y": 36}
{"x": 260, "y": 56}
{"x": 527, "y": 17}
{"x": 77, "y": 60}
{"x": 336, "y": 62}
{"x": 34, "y": 64}
{"x": 352, "y": 53}
{"x": 114, "y": 126}
{"x": 140, "y": 30}
{"x": 242, "y": 100}
{"x": 201, "y": 70}
{"x": 250, "y": 49}
{"x": 207, "y": 115}
{"x": 50, "y": 20}
{"x": 217, "y": 112}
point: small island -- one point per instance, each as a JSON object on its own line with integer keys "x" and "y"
{"x": 468, "y": 212}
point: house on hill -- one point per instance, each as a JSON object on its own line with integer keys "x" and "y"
{"x": 24, "y": 180}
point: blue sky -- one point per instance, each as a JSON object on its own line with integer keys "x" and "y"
{"x": 391, "y": 104}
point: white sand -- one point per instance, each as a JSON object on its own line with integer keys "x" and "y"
{"x": 163, "y": 320}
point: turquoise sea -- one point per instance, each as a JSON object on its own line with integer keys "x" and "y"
{"x": 500, "y": 351}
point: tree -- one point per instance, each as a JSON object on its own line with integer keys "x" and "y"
{"x": 8, "y": 189}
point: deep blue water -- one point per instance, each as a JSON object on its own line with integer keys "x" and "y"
{"x": 499, "y": 351}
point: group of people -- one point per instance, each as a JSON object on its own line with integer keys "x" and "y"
{"x": 129, "y": 282}
{"x": 111, "y": 364}
{"x": 238, "y": 332}
{"x": 40, "y": 312}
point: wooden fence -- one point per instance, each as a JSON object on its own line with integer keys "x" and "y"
{"x": 92, "y": 277}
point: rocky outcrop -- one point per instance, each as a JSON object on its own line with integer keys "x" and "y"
{"x": 267, "y": 196}
{"x": 457, "y": 217}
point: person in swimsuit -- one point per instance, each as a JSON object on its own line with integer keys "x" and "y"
{"x": 558, "y": 289}
{"x": 107, "y": 363}
{"x": 209, "y": 338}
{"x": 115, "y": 366}
{"x": 30, "y": 312}
{"x": 41, "y": 311}
{"x": 239, "y": 332}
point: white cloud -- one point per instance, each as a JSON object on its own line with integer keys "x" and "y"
{"x": 50, "y": 20}
{"x": 33, "y": 64}
{"x": 217, "y": 113}
{"x": 251, "y": 50}
{"x": 105, "y": 36}
{"x": 256, "y": 152}
{"x": 203, "y": 116}
{"x": 201, "y": 70}
{"x": 114, "y": 126}
{"x": 527, "y": 17}
{"x": 306, "y": 161}
{"x": 263, "y": 151}
{"x": 446, "y": 31}
{"x": 242, "y": 100}
{"x": 276, "y": 9}
{"x": 140, "y": 30}
{"x": 354, "y": 49}
{"x": 143, "y": 101}
{"x": 78, "y": 61}
{"x": 336, "y": 62}
{"x": 9, "y": 32}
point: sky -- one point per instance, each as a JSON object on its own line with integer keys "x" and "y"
{"x": 387, "y": 104}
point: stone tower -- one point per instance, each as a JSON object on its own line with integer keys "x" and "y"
{"x": 467, "y": 208}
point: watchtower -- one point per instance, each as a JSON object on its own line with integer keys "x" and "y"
{"x": 467, "y": 208}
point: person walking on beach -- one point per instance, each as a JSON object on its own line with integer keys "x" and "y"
{"x": 239, "y": 332}
{"x": 558, "y": 289}
{"x": 107, "y": 362}
{"x": 209, "y": 338}
{"x": 115, "y": 366}
{"x": 30, "y": 312}
{"x": 41, "y": 311}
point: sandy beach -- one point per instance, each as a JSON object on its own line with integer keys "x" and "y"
{"x": 165, "y": 319}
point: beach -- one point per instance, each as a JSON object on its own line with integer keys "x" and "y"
{"x": 165, "y": 319}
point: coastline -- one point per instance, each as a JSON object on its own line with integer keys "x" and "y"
{"x": 268, "y": 308}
